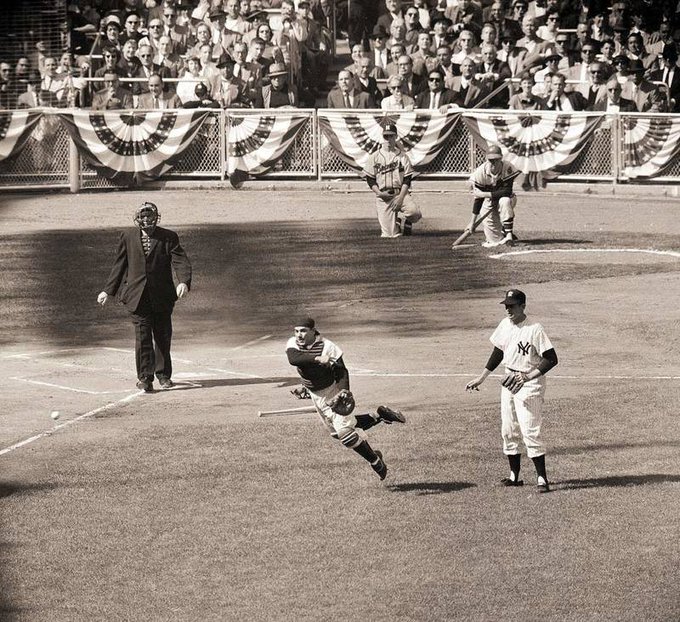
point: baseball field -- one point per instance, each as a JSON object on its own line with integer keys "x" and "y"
{"x": 185, "y": 505}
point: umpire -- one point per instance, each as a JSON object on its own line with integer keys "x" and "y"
{"x": 141, "y": 278}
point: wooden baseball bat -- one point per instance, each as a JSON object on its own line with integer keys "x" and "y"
{"x": 286, "y": 411}
{"x": 467, "y": 233}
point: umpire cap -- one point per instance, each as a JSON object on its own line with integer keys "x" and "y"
{"x": 494, "y": 153}
{"x": 514, "y": 297}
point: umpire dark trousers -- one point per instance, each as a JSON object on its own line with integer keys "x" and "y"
{"x": 153, "y": 336}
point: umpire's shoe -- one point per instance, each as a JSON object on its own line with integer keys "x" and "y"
{"x": 145, "y": 385}
{"x": 389, "y": 416}
{"x": 379, "y": 465}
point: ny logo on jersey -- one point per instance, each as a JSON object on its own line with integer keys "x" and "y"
{"x": 523, "y": 348}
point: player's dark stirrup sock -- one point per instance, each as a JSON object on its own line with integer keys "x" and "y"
{"x": 364, "y": 422}
{"x": 515, "y": 465}
{"x": 539, "y": 463}
{"x": 507, "y": 225}
{"x": 366, "y": 452}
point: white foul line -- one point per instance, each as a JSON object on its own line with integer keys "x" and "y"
{"x": 562, "y": 376}
{"x": 65, "y": 388}
{"x": 59, "y": 426}
{"x": 649, "y": 251}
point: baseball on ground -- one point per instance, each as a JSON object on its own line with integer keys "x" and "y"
{"x": 55, "y": 414}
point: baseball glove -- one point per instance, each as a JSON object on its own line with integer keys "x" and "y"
{"x": 514, "y": 381}
{"x": 343, "y": 403}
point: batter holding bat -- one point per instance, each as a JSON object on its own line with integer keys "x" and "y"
{"x": 322, "y": 369}
{"x": 494, "y": 199}
{"x": 388, "y": 174}
{"x": 525, "y": 350}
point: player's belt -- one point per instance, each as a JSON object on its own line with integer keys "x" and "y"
{"x": 390, "y": 190}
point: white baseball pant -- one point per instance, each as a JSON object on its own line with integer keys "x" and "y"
{"x": 333, "y": 421}
{"x": 521, "y": 418}
{"x": 502, "y": 211}
{"x": 388, "y": 218}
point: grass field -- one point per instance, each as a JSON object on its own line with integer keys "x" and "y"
{"x": 184, "y": 505}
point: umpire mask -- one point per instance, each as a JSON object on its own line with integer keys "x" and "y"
{"x": 147, "y": 217}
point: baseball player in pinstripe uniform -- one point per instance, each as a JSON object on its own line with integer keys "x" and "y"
{"x": 322, "y": 369}
{"x": 492, "y": 188}
{"x": 388, "y": 174}
{"x": 527, "y": 354}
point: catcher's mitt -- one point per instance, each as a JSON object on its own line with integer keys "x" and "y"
{"x": 302, "y": 393}
{"x": 514, "y": 381}
{"x": 343, "y": 403}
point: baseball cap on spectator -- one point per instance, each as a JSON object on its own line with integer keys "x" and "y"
{"x": 379, "y": 31}
{"x": 514, "y": 297}
{"x": 216, "y": 14}
{"x": 389, "y": 128}
{"x": 112, "y": 20}
{"x": 278, "y": 69}
{"x": 494, "y": 153}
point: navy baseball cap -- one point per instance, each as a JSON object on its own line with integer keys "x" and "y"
{"x": 306, "y": 322}
{"x": 494, "y": 153}
{"x": 389, "y": 128}
{"x": 514, "y": 297}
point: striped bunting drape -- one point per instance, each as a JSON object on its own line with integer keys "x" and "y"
{"x": 255, "y": 142}
{"x": 537, "y": 141}
{"x": 422, "y": 134}
{"x": 15, "y": 128}
{"x": 131, "y": 147}
{"x": 650, "y": 144}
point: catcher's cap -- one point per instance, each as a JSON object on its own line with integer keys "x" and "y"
{"x": 514, "y": 297}
{"x": 389, "y": 128}
{"x": 306, "y": 322}
{"x": 494, "y": 153}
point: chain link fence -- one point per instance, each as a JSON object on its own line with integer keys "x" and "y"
{"x": 44, "y": 161}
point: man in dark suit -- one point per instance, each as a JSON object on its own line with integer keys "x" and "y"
{"x": 613, "y": 102}
{"x": 345, "y": 95}
{"x": 141, "y": 279}
{"x": 412, "y": 83}
{"x": 436, "y": 97}
{"x": 669, "y": 75}
{"x": 469, "y": 91}
{"x": 559, "y": 100}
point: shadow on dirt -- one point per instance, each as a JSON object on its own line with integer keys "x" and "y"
{"x": 619, "y": 481}
{"x": 197, "y": 383}
{"x": 431, "y": 488}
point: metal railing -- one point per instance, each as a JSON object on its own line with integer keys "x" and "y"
{"x": 49, "y": 158}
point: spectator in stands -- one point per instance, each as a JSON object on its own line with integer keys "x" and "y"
{"x": 31, "y": 98}
{"x": 493, "y": 74}
{"x": 621, "y": 64}
{"x": 530, "y": 41}
{"x": 445, "y": 65}
{"x": 513, "y": 24}
{"x": 669, "y": 75}
{"x": 635, "y": 50}
{"x": 379, "y": 51}
{"x": 38, "y": 55}
{"x": 51, "y": 81}
{"x": 8, "y": 99}
{"x": 111, "y": 58}
{"x": 235, "y": 24}
{"x": 21, "y": 73}
{"x": 465, "y": 48}
{"x": 357, "y": 53}
{"x": 279, "y": 93}
{"x": 549, "y": 31}
{"x": 178, "y": 34}
{"x": 412, "y": 84}
{"x": 437, "y": 97}
{"x": 346, "y": 95}
{"x": 512, "y": 55}
{"x": 413, "y": 27}
{"x": 495, "y": 14}
{"x": 441, "y": 35}
{"x": 191, "y": 76}
{"x": 249, "y": 73}
{"x": 217, "y": 19}
{"x": 366, "y": 81}
{"x": 542, "y": 77}
{"x": 581, "y": 71}
{"x": 561, "y": 101}
{"x": 209, "y": 69}
{"x": 112, "y": 30}
{"x": 396, "y": 52}
{"x": 229, "y": 90}
{"x": 201, "y": 98}
{"x": 488, "y": 35}
{"x": 457, "y": 12}
{"x": 469, "y": 92}
{"x": 167, "y": 59}
{"x": 271, "y": 50}
{"x": 398, "y": 34}
{"x": 394, "y": 12}
{"x": 423, "y": 59}
{"x": 257, "y": 57}
{"x": 562, "y": 47}
{"x": 156, "y": 98}
{"x": 606, "y": 55}
{"x": 613, "y": 102}
{"x": 424, "y": 16}
{"x": 131, "y": 28}
{"x": 596, "y": 88}
{"x": 147, "y": 68}
{"x": 526, "y": 99}
{"x": 599, "y": 28}
{"x": 642, "y": 92}
{"x": 153, "y": 36}
{"x": 112, "y": 96}
{"x": 128, "y": 64}
{"x": 203, "y": 37}
{"x": 397, "y": 99}
{"x": 581, "y": 36}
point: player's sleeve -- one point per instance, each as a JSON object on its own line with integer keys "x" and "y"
{"x": 407, "y": 171}
{"x": 369, "y": 172}
{"x": 542, "y": 342}
{"x": 296, "y": 356}
{"x": 499, "y": 337}
{"x": 332, "y": 351}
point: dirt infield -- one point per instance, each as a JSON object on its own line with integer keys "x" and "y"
{"x": 183, "y": 504}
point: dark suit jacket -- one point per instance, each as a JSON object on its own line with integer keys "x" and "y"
{"x": 657, "y": 76}
{"x": 474, "y": 94}
{"x": 361, "y": 100}
{"x": 625, "y": 105}
{"x": 418, "y": 85}
{"x": 447, "y": 97}
{"x": 578, "y": 102}
{"x": 133, "y": 271}
{"x": 372, "y": 89}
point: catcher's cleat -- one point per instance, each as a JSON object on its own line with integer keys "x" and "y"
{"x": 145, "y": 385}
{"x": 506, "y": 481}
{"x": 388, "y": 415}
{"x": 380, "y": 467}
{"x": 543, "y": 487}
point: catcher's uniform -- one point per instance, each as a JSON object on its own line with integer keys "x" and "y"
{"x": 390, "y": 170}
{"x": 523, "y": 345}
{"x": 501, "y": 219}
{"x": 321, "y": 381}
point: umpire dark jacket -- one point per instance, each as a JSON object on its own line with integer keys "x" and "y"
{"x": 133, "y": 271}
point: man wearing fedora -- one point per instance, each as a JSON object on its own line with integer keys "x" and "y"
{"x": 643, "y": 93}
{"x": 279, "y": 93}
{"x": 379, "y": 51}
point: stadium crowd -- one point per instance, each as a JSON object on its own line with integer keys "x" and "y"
{"x": 435, "y": 54}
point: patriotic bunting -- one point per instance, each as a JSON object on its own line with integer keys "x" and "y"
{"x": 650, "y": 144}
{"x": 422, "y": 134}
{"x": 255, "y": 142}
{"x": 534, "y": 142}
{"x": 130, "y": 147}
{"x": 15, "y": 128}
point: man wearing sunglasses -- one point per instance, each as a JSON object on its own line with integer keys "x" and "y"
{"x": 437, "y": 97}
